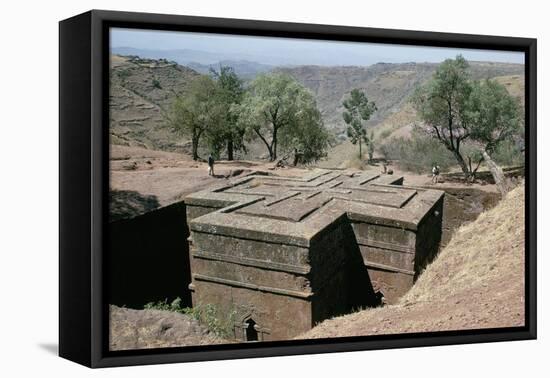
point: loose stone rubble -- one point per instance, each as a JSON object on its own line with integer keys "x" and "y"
{"x": 277, "y": 255}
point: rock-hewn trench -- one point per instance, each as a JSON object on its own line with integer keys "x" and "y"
{"x": 463, "y": 205}
{"x": 148, "y": 254}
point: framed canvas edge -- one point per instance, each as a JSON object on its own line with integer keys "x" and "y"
{"x": 318, "y": 346}
{"x": 101, "y": 20}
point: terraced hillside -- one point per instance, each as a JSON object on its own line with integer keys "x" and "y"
{"x": 141, "y": 93}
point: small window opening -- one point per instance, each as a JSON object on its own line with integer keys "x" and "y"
{"x": 250, "y": 332}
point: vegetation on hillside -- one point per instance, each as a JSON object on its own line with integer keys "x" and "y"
{"x": 454, "y": 109}
{"x": 142, "y": 92}
{"x": 417, "y": 153}
{"x": 496, "y": 118}
{"x": 207, "y": 314}
{"x": 389, "y": 85}
{"x": 205, "y": 113}
{"x": 274, "y": 108}
{"x": 199, "y": 112}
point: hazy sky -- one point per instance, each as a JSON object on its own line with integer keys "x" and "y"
{"x": 281, "y": 51}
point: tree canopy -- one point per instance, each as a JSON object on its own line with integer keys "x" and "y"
{"x": 229, "y": 134}
{"x": 309, "y": 141}
{"x": 199, "y": 110}
{"x": 358, "y": 108}
{"x": 455, "y": 109}
{"x": 283, "y": 114}
{"x": 495, "y": 116}
{"x": 442, "y": 105}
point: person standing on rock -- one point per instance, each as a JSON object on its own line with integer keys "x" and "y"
{"x": 210, "y": 165}
{"x": 435, "y": 173}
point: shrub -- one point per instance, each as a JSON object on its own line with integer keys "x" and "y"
{"x": 123, "y": 74}
{"x": 156, "y": 84}
{"x": 216, "y": 321}
{"x": 417, "y": 154}
{"x": 174, "y": 306}
{"x": 384, "y": 134}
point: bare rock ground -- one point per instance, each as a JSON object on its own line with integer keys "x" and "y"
{"x": 140, "y": 329}
{"x": 142, "y": 180}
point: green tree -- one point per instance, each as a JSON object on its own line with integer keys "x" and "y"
{"x": 495, "y": 117}
{"x": 310, "y": 141}
{"x": 198, "y": 111}
{"x": 456, "y": 109}
{"x": 358, "y": 109}
{"x": 229, "y": 134}
{"x": 274, "y": 109}
{"x": 442, "y": 104}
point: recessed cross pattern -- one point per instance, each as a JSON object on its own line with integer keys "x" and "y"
{"x": 292, "y": 251}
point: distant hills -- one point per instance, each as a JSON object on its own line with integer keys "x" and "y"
{"x": 181, "y": 56}
{"x": 142, "y": 90}
{"x": 245, "y": 69}
{"x": 200, "y": 61}
{"x": 389, "y": 85}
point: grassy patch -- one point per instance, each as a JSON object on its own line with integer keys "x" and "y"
{"x": 216, "y": 321}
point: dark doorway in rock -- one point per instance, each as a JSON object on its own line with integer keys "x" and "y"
{"x": 251, "y": 333}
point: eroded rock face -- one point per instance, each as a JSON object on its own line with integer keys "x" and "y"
{"x": 281, "y": 254}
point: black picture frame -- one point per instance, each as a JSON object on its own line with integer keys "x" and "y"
{"x": 83, "y": 181}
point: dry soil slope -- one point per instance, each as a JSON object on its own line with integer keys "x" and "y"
{"x": 142, "y": 92}
{"x": 477, "y": 281}
{"x": 515, "y": 84}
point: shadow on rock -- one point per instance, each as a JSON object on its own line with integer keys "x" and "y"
{"x": 125, "y": 204}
